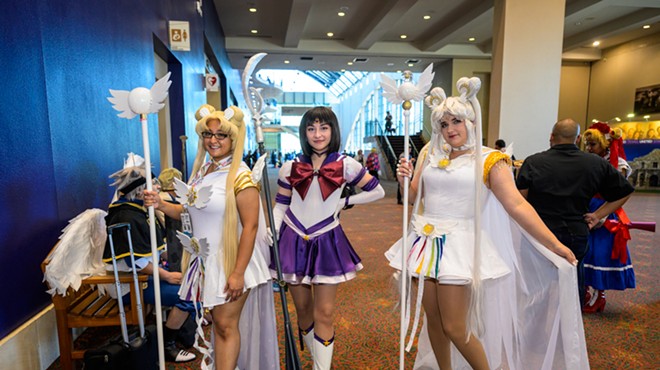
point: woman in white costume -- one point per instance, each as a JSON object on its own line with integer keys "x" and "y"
{"x": 315, "y": 254}
{"x": 508, "y": 303}
{"x": 225, "y": 210}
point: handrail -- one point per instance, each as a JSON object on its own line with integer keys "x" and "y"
{"x": 389, "y": 153}
{"x": 413, "y": 147}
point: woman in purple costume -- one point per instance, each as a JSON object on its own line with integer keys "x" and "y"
{"x": 314, "y": 252}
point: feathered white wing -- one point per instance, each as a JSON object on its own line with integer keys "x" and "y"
{"x": 203, "y": 196}
{"x": 79, "y": 254}
{"x": 196, "y": 247}
{"x": 425, "y": 81}
{"x": 390, "y": 90}
{"x": 509, "y": 150}
{"x": 159, "y": 92}
{"x": 119, "y": 102}
{"x": 190, "y": 196}
{"x": 258, "y": 169}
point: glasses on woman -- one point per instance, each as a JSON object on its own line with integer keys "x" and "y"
{"x": 218, "y": 135}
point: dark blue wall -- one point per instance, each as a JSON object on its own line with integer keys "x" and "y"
{"x": 60, "y": 137}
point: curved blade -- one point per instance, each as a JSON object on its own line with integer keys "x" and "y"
{"x": 247, "y": 74}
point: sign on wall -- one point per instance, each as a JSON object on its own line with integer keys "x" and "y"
{"x": 212, "y": 82}
{"x": 647, "y": 100}
{"x": 179, "y": 35}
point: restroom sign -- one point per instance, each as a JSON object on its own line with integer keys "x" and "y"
{"x": 180, "y": 35}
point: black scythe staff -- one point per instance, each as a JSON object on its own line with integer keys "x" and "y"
{"x": 254, "y": 102}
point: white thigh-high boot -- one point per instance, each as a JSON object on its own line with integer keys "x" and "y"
{"x": 323, "y": 352}
{"x": 307, "y": 339}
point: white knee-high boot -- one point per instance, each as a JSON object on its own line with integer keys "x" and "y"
{"x": 307, "y": 339}
{"x": 323, "y": 352}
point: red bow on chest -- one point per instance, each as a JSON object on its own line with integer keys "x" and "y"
{"x": 330, "y": 177}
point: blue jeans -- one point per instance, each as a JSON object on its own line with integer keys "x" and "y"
{"x": 169, "y": 296}
{"x": 579, "y": 245}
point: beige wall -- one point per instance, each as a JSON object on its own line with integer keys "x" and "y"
{"x": 574, "y": 91}
{"x": 616, "y": 76}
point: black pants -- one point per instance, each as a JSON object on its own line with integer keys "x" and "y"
{"x": 578, "y": 243}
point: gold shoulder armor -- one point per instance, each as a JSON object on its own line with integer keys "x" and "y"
{"x": 491, "y": 160}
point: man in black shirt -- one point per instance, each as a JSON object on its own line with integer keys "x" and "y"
{"x": 559, "y": 183}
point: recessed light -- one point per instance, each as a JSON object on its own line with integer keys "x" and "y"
{"x": 646, "y": 26}
{"x": 330, "y": 34}
{"x": 253, "y": 31}
{"x": 596, "y": 43}
{"x": 343, "y": 70}
{"x": 286, "y": 62}
{"x": 350, "y": 63}
{"x": 410, "y": 64}
{"x": 404, "y": 36}
{"x": 398, "y": 71}
{"x": 630, "y": 115}
{"x": 472, "y": 39}
{"x": 427, "y": 17}
{"x": 341, "y": 14}
{"x": 390, "y": 64}
{"x": 253, "y": 10}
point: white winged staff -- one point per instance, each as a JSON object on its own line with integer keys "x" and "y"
{"x": 142, "y": 101}
{"x": 405, "y": 94}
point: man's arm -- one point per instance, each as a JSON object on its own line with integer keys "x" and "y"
{"x": 608, "y": 207}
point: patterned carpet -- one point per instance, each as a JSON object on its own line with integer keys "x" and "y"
{"x": 625, "y": 336}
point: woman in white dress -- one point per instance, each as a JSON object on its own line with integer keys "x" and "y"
{"x": 460, "y": 187}
{"x": 224, "y": 207}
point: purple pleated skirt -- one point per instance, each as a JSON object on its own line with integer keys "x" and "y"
{"x": 328, "y": 258}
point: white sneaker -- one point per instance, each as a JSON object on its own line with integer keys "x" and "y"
{"x": 176, "y": 355}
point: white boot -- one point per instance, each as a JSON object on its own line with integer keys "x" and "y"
{"x": 307, "y": 338}
{"x": 323, "y": 353}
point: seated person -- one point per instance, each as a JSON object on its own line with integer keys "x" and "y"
{"x": 167, "y": 193}
{"x": 128, "y": 208}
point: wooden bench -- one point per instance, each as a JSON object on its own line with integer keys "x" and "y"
{"x": 86, "y": 308}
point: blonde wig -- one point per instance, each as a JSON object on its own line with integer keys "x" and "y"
{"x": 231, "y": 124}
{"x": 166, "y": 178}
{"x": 595, "y": 135}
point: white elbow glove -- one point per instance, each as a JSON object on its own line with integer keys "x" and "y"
{"x": 365, "y": 196}
{"x": 278, "y": 215}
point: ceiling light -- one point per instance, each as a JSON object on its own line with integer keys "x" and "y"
{"x": 410, "y": 64}
{"x": 594, "y": 120}
{"x": 646, "y": 26}
{"x": 472, "y": 39}
{"x": 341, "y": 14}
{"x": 330, "y": 34}
{"x": 253, "y": 31}
{"x": 286, "y": 62}
{"x": 253, "y": 10}
{"x": 630, "y": 115}
{"x": 404, "y": 36}
{"x": 390, "y": 64}
{"x": 350, "y": 63}
{"x": 596, "y": 43}
{"x": 398, "y": 71}
{"x": 342, "y": 70}
{"x": 427, "y": 17}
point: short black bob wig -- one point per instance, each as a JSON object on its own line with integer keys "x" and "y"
{"x": 323, "y": 115}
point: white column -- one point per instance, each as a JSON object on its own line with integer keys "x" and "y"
{"x": 527, "y": 50}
